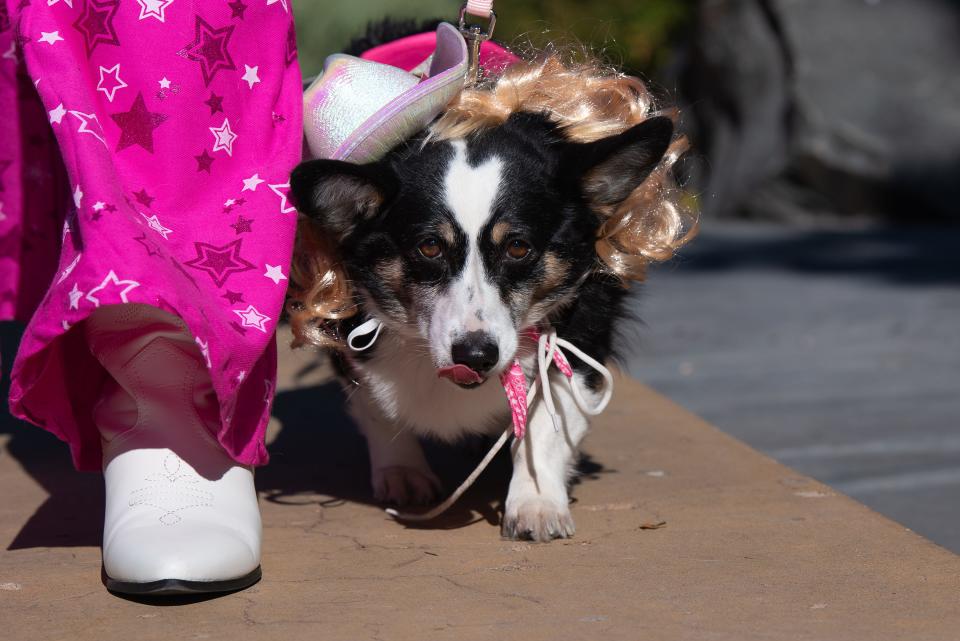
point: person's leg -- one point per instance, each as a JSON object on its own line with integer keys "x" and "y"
{"x": 178, "y": 128}
{"x": 181, "y": 515}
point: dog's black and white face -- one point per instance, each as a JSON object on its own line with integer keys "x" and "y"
{"x": 465, "y": 243}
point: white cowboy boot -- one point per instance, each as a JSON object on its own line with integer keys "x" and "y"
{"x": 181, "y": 515}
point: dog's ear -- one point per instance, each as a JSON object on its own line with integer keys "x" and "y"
{"x": 609, "y": 169}
{"x": 339, "y": 195}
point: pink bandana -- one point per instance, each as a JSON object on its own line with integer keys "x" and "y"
{"x": 515, "y": 384}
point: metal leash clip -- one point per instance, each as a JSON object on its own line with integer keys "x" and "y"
{"x": 475, "y": 35}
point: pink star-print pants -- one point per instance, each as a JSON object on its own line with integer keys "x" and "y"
{"x": 145, "y": 148}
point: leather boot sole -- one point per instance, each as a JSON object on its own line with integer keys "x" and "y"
{"x": 179, "y": 586}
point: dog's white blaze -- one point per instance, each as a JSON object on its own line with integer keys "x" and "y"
{"x": 471, "y": 192}
{"x": 472, "y": 302}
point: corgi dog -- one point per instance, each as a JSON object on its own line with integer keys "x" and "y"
{"x": 457, "y": 247}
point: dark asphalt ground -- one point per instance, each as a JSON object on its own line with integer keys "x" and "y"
{"x": 836, "y": 352}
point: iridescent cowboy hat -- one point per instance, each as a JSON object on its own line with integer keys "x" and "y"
{"x": 358, "y": 110}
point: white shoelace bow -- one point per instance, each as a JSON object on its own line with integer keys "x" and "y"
{"x": 548, "y": 350}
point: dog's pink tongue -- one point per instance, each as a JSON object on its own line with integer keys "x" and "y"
{"x": 460, "y": 374}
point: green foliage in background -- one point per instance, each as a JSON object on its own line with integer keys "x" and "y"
{"x": 633, "y": 33}
{"x": 324, "y": 27}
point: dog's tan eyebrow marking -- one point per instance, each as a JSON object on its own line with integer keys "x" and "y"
{"x": 446, "y": 232}
{"x": 499, "y": 232}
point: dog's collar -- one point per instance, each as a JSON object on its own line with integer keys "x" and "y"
{"x": 369, "y": 330}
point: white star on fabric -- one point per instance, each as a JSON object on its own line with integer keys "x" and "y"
{"x": 75, "y": 296}
{"x": 251, "y": 317}
{"x": 69, "y": 270}
{"x": 229, "y": 202}
{"x": 50, "y": 37}
{"x": 99, "y": 205}
{"x": 153, "y": 8}
{"x": 11, "y": 53}
{"x": 66, "y": 326}
{"x": 251, "y": 183}
{"x": 154, "y": 223}
{"x": 57, "y": 113}
{"x": 283, "y": 3}
{"x": 77, "y": 196}
{"x": 85, "y": 120}
{"x": 284, "y": 207}
{"x": 274, "y": 273}
{"x": 69, "y": 3}
{"x": 112, "y": 279}
{"x": 117, "y": 83}
{"x": 250, "y": 75}
{"x": 241, "y": 375}
{"x": 223, "y": 137}
{"x": 205, "y": 350}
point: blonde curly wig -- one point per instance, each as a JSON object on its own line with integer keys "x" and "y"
{"x": 588, "y": 101}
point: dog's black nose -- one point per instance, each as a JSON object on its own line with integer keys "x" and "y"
{"x": 477, "y": 351}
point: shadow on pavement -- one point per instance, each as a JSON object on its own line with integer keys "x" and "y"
{"x": 318, "y": 456}
{"x": 72, "y": 514}
{"x": 320, "y": 451}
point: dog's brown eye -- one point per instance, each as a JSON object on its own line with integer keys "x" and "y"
{"x": 517, "y": 249}
{"x": 430, "y": 248}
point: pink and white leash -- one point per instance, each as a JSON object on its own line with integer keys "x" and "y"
{"x": 548, "y": 351}
{"x": 481, "y": 8}
{"x": 520, "y": 398}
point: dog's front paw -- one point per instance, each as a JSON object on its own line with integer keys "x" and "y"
{"x": 537, "y": 519}
{"x": 401, "y": 485}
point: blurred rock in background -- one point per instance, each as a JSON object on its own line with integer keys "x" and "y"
{"x": 818, "y": 107}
